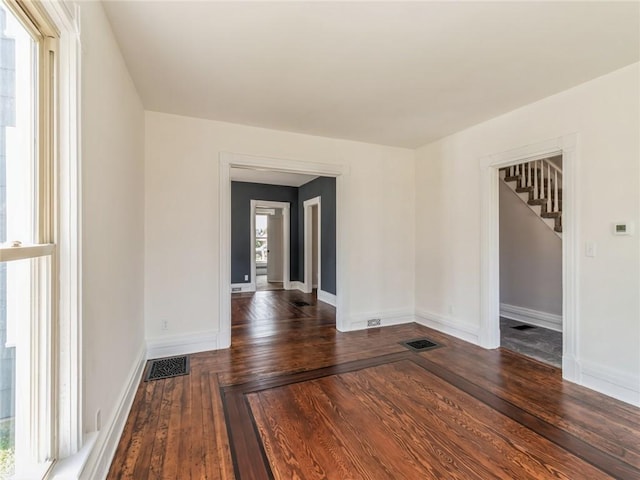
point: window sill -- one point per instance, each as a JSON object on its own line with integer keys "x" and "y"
{"x": 70, "y": 468}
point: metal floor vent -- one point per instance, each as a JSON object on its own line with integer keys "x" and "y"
{"x": 420, "y": 344}
{"x": 301, "y": 304}
{"x": 523, "y": 327}
{"x": 168, "y": 367}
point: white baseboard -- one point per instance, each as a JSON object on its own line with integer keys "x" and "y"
{"x": 327, "y": 297}
{"x": 532, "y": 317}
{"x": 463, "y": 331}
{"x": 295, "y": 285}
{"x": 171, "y": 345}
{"x": 570, "y": 368}
{"x": 387, "y": 318}
{"x": 106, "y": 442}
{"x": 243, "y": 287}
{"x": 612, "y": 382}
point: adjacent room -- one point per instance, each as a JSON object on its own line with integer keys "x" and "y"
{"x": 260, "y": 240}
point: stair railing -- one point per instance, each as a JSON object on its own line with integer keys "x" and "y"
{"x": 543, "y": 177}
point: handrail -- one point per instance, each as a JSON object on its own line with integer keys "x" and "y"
{"x": 543, "y": 179}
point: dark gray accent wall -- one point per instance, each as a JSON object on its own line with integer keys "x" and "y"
{"x": 241, "y": 195}
{"x": 325, "y": 188}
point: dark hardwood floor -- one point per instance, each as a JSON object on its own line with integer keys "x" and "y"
{"x": 294, "y": 398}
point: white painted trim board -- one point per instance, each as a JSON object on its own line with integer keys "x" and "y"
{"x": 532, "y": 317}
{"x": 567, "y": 146}
{"x": 228, "y": 160}
{"x": 99, "y": 460}
{"x": 463, "y": 331}
{"x": 327, "y": 297}
{"x": 387, "y": 318}
{"x": 244, "y": 287}
{"x": 170, "y": 345}
{"x": 308, "y": 243}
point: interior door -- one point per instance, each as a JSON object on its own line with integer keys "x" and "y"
{"x": 275, "y": 256}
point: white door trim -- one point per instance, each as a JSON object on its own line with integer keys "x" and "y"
{"x": 490, "y": 250}
{"x": 308, "y": 245}
{"x": 228, "y": 160}
{"x": 286, "y": 254}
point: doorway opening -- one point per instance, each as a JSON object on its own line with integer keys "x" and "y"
{"x": 530, "y": 239}
{"x": 312, "y": 247}
{"x": 265, "y": 167}
{"x": 489, "y": 332}
{"x": 270, "y": 258}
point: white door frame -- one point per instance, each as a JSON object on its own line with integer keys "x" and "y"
{"x": 228, "y": 160}
{"x": 286, "y": 254}
{"x": 490, "y": 249}
{"x": 308, "y": 244}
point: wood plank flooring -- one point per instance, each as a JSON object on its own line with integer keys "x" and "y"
{"x": 294, "y": 398}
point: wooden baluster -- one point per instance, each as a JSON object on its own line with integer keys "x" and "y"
{"x": 556, "y": 207}
{"x": 535, "y": 180}
{"x": 548, "y": 187}
{"x": 541, "y": 195}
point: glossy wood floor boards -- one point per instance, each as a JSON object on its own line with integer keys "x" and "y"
{"x": 359, "y": 405}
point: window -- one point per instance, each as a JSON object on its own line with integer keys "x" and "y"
{"x": 27, "y": 243}
{"x": 261, "y": 239}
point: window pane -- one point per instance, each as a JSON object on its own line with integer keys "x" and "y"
{"x": 261, "y": 238}
{"x": 15, "y": 291}
{"x": 17, "y": 130}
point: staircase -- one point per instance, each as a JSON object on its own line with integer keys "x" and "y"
{"x": 538, "y": 183}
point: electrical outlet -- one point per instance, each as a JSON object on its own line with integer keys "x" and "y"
{"x": 246, "y": 278}
{"x": 98, "y": 420}
{"x": 374, "y": 322}
{"x": 165, "y": 324}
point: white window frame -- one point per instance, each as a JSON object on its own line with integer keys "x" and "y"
{"x": 60, "y": 226}
{"x": 35, "y": 402}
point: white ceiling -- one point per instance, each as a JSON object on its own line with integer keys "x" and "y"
{"x": 270, "y": 177}
{"x": 395, "y": 73}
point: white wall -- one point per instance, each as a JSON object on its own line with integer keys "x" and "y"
{"x": 182, "y": 218}
{"x": 113, "y": 218}
{"x": 530, "y": 257}
{"x": 604, "y": 112}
